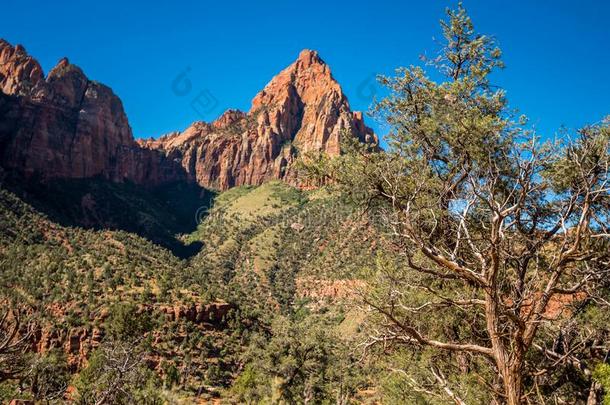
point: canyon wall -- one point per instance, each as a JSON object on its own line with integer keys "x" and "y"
{"x": 67, "y": 126}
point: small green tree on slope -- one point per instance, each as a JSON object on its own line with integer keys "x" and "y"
{"x": 507, "y": 232}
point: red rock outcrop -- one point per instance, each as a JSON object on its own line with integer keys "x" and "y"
{"x": 78, "y": 342}
{"x": 213, "y": 313}
{"x": 67, "y": 126}
{"x": 302, "y": 109}
{"x": 19, "y": 72}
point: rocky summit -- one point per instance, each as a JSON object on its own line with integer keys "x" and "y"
{"x": 67, "y": 126}
{"x": 302, "y": 109}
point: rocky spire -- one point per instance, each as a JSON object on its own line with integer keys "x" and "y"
{"x": 301, "y": 109}
{"x": 19, "y": 72}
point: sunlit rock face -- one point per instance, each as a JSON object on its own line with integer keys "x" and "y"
{"x": 302, "y": 109}
{"x": 67, "y": 126}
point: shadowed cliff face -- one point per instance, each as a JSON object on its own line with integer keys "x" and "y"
{"x": 69, "y": 139}
{"x": 302, "y": 109}
{"x": 67, "y": 126}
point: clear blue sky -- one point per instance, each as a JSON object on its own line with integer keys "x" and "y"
{"x": 557, "y": 52}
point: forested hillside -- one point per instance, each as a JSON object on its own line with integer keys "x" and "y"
{"x": 265, "y": 298}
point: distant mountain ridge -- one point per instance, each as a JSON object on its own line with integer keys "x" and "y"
{"x": 67, "y": 126}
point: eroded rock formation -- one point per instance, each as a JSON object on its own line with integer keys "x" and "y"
{"x": 67, "y": 126}
{"x": 78, "y": 342}
{"x": 302, "y": 109}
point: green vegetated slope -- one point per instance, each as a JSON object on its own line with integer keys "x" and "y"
{"x": 285, "y": 236}
{"x": 159, "y": 214}
{"x": 260, "y": 313}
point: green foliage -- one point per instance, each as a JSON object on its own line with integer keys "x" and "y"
{"x": 48, "y": 376}
{"x": 466, "y": 53}
{"x": 249, "y": 387}
{"x": 10, "y": 390}
{"x": 172, "y": 376}
{"x": 589, "y": 153}
{"x": 485, "y": 221}
{"x": 602, "y": 376}
{"x": 116, "y": 374}
{"x": 115, "y": 282}
{"x": 302, "y": 362}
{"x": 411, "y": 378}
{"x": 126, "y": 322}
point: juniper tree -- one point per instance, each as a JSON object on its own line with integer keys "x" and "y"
{"x": 504, "y": 231}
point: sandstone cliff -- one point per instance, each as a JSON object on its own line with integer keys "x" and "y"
{"x": 302, "y": 109}
{"x": 67, "y": 126}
